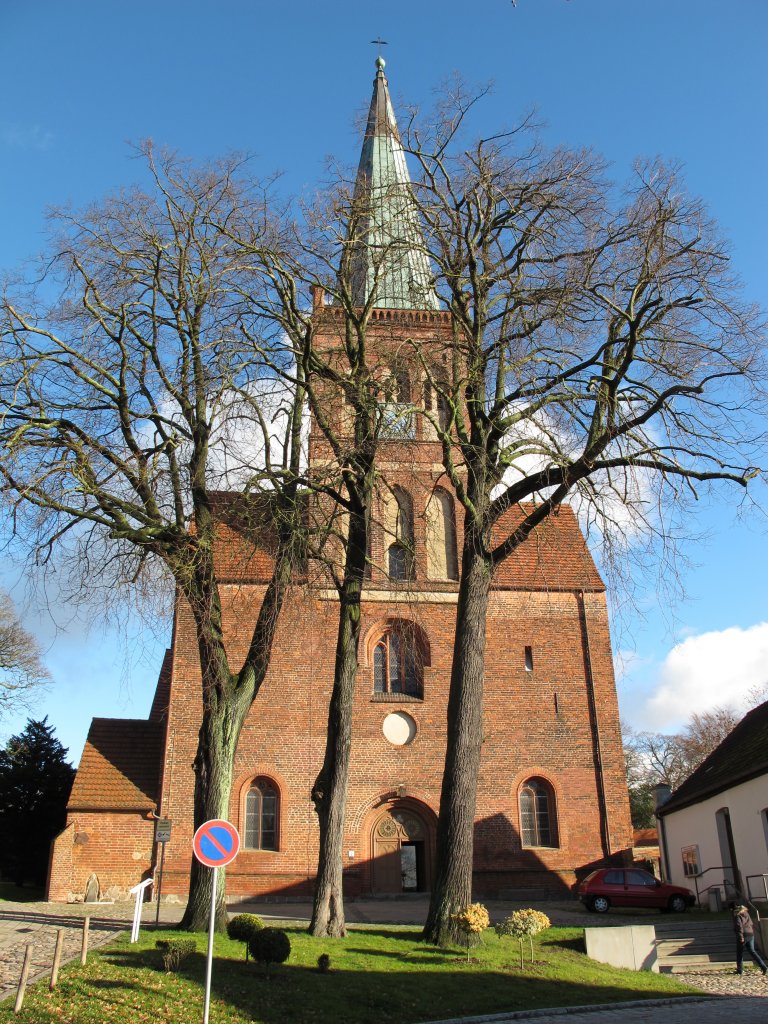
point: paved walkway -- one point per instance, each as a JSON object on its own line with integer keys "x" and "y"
{"x": 724, "y": 996}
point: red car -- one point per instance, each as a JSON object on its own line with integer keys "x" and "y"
{"x": 631, "y": 887}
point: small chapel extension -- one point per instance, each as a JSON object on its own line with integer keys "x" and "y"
{"x": 552, "y": 799}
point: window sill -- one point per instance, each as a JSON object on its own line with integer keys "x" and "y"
{"x": 395, "y": 698}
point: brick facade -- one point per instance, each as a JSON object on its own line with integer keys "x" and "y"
{"x": 550, "y": 713}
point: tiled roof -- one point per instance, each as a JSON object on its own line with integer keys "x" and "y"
{"x": 743, "y": 755}
{"x": 120, "y": 766}
{"x": 645, "y": 837}
{"x": 554, "y": 557}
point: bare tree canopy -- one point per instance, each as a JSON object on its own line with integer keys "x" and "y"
{"x": 602, "y": 354}
{"x": 21, "y": 669}
{"x": 136, "y": 381}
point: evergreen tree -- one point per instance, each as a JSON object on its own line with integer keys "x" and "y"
{"x": 35, "y": 781}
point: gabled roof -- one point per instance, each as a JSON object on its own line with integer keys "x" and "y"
{"x": 389, "y": 257}
{"x": 120, "y": 767}
{"x": 554, "y": 557}
{"x": 743, "y": 755}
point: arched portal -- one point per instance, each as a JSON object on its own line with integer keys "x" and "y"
{"x": 402, "y": 845}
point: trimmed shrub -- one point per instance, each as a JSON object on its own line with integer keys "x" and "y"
{"x": 269, "y": 946}
{"x": 242, "y": 926}
{"x": 174, "y": 951}
{"x": 523, "y": 922}
{"x": 472, "y": 921}
{"x": 324, "y": 963}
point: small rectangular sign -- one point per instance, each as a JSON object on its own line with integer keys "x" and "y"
{"x": 163, "y": 830}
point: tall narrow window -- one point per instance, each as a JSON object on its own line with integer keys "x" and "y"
{"x": 436, "y": 404}
{"x": 538, "y": 817}
{"x": 261, "y": 807}
{"x": 442, "y": 559}
{"x": 397, "y": 663}
{"x": 398, "y": 542}
{"x": 397, "y": 419}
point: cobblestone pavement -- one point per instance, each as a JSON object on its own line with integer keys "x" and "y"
{"x": 37, "y": 924}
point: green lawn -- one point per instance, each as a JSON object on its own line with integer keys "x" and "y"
{"x": 378, "y": 974}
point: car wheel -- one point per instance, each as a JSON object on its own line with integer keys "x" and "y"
{"x": 676, "y": 904}
{"x": 601, "y": 904}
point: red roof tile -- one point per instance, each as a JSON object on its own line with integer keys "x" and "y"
{"x": 554, "y": 557}
{"x": 120, "y": 766}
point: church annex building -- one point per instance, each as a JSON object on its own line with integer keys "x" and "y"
{"x": 552, "y": 799}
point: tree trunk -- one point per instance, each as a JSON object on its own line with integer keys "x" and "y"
{"x": 452, "y": 888}
{"x": 227, "y": 698}
{"x": 329, "y": 792}
{"x": 214, "y": 766}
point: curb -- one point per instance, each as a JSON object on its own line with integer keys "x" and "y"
{"x": 561, "y": 1011}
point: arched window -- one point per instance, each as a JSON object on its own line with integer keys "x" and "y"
{"x": 398, "y": 541}
{"x": 538, "y": 815}
{"x": 398, "y": 664}
{"x": 442, "y": 559}
{"x": 397, "y": 421}
{"x": 436, "y": 403}
{"x": 261, "y": 816}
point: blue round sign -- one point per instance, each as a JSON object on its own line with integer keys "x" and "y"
{"x": 216, "y": 843}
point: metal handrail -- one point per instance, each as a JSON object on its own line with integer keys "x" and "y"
{"x": 764, "y": 879}
{"x": 724, "y": 885}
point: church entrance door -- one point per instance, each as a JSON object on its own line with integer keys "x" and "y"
{"x": 400, "y": 852}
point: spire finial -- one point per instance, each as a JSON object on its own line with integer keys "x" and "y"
{"x": 380, "y": 62}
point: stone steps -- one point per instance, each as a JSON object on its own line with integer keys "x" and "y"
{"x": 698, "y": 945}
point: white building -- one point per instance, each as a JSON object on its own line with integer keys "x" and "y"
{"x": 713, "y": 830}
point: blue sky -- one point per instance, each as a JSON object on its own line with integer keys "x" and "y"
{"x": 82, "y": 79}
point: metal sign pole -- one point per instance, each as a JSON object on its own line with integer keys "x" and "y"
{"x": 209, "y": 965}
{"x": 160, "y": 883}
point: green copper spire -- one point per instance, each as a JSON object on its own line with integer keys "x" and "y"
{"x": 389, "y": 257}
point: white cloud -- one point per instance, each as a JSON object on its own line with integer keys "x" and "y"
{"x": 710, "y": 670}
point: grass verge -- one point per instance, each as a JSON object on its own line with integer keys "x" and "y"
{"x": 378, "y": 974}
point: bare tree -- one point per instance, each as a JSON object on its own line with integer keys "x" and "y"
{"x": 350, "y": 380}
{"x": 653, "y": 757}
{"x": 602, "y": 354}
{"x": 22, "y": 672}
{"x": 131, "y": 380}
{"x": 704, "y": 731}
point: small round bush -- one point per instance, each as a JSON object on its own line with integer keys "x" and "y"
{"x": 242, "y": 927}
{"x": 270, "y": 946}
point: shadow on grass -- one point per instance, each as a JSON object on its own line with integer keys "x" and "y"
{"x": 301, "y": 994}
{"x": 574, "y": 943}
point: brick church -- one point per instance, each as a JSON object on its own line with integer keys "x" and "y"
{"x": 552, "y": 799}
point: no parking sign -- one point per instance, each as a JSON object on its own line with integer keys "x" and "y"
{"x": 215, "y": 844}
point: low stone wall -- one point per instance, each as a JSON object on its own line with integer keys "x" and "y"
{"x": 633, "y": 947}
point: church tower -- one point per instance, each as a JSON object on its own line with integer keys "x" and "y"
{"x": 552, "y": 799}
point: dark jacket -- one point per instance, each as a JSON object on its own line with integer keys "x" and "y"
{"x": 742, "y": 925}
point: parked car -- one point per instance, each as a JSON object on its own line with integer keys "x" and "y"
{"x": 631, "y": 887}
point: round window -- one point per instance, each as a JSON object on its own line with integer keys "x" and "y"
{"x": 399, "y": 728}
